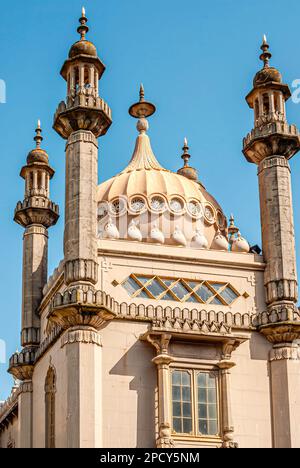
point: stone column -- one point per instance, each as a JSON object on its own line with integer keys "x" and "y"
{"x": 277, "y": 223}
{"x": 163, "y": 361}
{"x": 80, "y": 241}
{"x": 227, "y": 422}
{"x": 25, "y": 417}
{"x": 84, "y": 389}
{"x": 285, "y": 396}
{"x": 35, "y": 255}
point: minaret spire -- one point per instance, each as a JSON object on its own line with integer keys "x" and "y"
{"x": 187, "y": 171}
{"x": 83, "y": 29}
{"x": 266, "y": 55}
{"x": 38, "y": 137}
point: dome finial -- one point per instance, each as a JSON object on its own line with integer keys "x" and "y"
{"x": 186, "y": 156}
{"x": 83, "y": 28}
{"x": 142, "y": 109}
{"x": 266, "y": 55}
{"x": 187, "y": 171}
{"x": 38, "y": 138}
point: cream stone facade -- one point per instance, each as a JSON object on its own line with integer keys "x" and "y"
{"x": 161, "y": 327}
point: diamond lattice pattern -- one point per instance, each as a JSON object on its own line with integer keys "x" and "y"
{"x": 180, "y": 290}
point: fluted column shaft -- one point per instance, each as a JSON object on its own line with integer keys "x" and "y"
{"x": 35, "y": 259}
{"x": 80, "y": 241}
{"x": 277, "y": 223}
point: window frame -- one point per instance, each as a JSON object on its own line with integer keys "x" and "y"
{"x": 193, "y": 372}
{"x": 216, "y": 294}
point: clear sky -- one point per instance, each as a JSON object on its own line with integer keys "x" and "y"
{"x": 196, "y": 59}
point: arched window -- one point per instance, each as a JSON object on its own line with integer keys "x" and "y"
{"x": 256, "y": 109}
{"x": 50, "y": 390}
{"x": 266, "y": 104}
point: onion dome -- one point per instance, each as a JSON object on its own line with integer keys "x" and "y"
{"x": 83, "y": 47}
{"x": 187, "y": 171}
{"x": 267, "y": 74}
{"x": 220, "y": 242}
{"x": 154, "y": 196}
{"x": 38, "y": 155}
{"x": 240, "y": 244}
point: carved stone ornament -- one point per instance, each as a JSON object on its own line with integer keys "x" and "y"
{"x": 284, "y": 332}
{"x": 165, "y": 436}
{"x": 77, "y": 307}
{"x": 79, "y": 335}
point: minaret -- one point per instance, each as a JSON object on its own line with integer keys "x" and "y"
{"x": 270, "y": 145}
{"x": 36, "y": 214}
{"x": 81, "y": 120}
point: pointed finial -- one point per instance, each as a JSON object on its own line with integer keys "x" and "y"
{"x": 38, "y": 137}
{"x": 142, "y": 109}
{"x": 266, "y": 55}
{"x": 232, "y": 229}
{"x": 142, "y": 93}
{"x": 83, "y": 28}
{"x": 186, "y": 156}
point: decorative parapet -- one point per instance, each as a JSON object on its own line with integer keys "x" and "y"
{"x": 53, "y": 278}
{"x": 9, "y": 408}
{"x": 21, "y": 364}
{"x": 269, "y": 129}
{"x": 49, "y": 340}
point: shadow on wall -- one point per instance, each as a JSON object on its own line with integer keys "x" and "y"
{"x": 136, "y": 362}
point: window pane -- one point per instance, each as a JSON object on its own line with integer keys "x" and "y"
{"x": 187, "y": 410}
{"x": 202, "y": 395}
{"x": 212, "y": 397}
{"x": 213, "y": 427}
{"x": 131, "y": 286}
{"x": 186, "y": 394}
{"x": 203, "y": 429}
{"x": 143, "y": 279}
{"x": 185, "y": 378}
{"x": 180, "y": 290}
{"x": 176, "y": 378}
{"x": 176, "y": 393}
{"x": 202, "y": 379}
{"x": 187, "y": 426}
{"x": 212, "y": 412}
{"x": 229, "y": 295}
{"x": 168, "y": 297}
{"x": 204, "y": 293}
{"x": 202, "y": 411}
{"x": 211, "y": 378}
{"x": 177, "y": 424}
{"x": 176, "y": 409}
{"x": 143, "y": 294}
{"x": 155, "y": 288}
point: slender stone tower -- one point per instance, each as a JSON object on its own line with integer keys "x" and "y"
{"x": 36, "y": 214}
{"x": 80, "y": 311}
{"x": 270, "y": 145}
{"x": 81, "y": 120}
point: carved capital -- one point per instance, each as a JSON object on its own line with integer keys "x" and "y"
{"x": 286, "y": 352}
{"x": 81, "y": 270}
{"x": 21, "y": 365}
{"x": 81, "y": 335}
{"x": 165, "y": 436}
{"x": 284, "y": 332}
{"x": 26, "y": 387}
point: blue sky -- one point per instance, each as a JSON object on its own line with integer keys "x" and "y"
{"x": 196, "y": 59}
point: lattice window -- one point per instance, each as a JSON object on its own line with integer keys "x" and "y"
{"x": 181, "y": 290}
{"x": 195, "y": 403}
